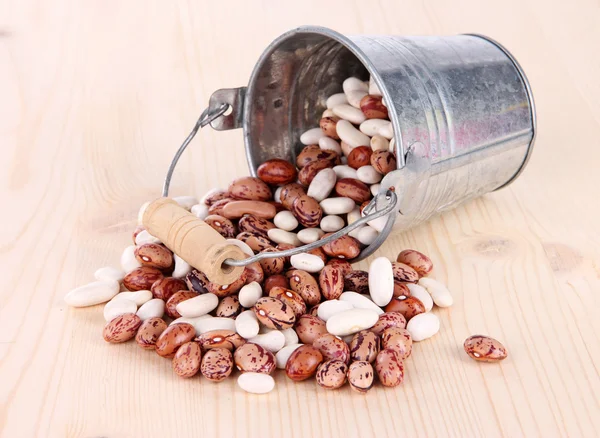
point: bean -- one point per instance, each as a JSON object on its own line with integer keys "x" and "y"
{"x": 165, "y": 287}
{"x": 246, "y": 324}
{"x": 390, "y": 368}
{"x": 310, "y": 235}
{"x": 108, "y": 273}
{"x": 227, "y": 339}
{"x": 360, "y": 376}
{"x": 351, "y": 321}
{"x": 155, "y": 308}
{"x": 186, "y": 362}
{"x": 118, "y": 306}
{"x": 122, "y": 328}
{"x": 256, "y": 383}
{"x": 307, "y": 262}
{"x": 331, "y": 282}
{"x": 420, "y": 293}
{"x": 154, "y": 256}
{"x": 364, "y": 346}
{"x": 229, "y": 307}
{"x": 272, "y": 341}
{"x": 309, "y": 328}
{"x": 409, "y": 307}
{"x": 291, "y": 298}
{"x": 217, "y": 364}
{"x": 128, "y": 260}
{"x": 277, "y": 172}
{"x": 198, "y": 306}
{"x": 346, "y": 131}
{"x": 255, "y": 225}
{"x": 357, "y": 281}
{"x": 303, "y": 363}
{"x": 174, "y": 337}
{"x": 332, "y": 347}
{"x": 237, "y": 209}
{"x": 416, "y": 260}
{"x": 249, "y": 188}
{"x": 311, "y": 136}
{"x": 439, "y": 293}
{"x": 282, "y": 236}
{"x": 359, "y": 301}
{"x": 387, "y": 320}
{"x": 335, "y": 100}
{"x": 322, "y": 184}
{"x": 485, "y": 349}
{"x": 254, "y": 358}
{"x": 149, "y": 332}
{"x": 381, "y": 281}
{"x": 274, "y": 313}
{"x": 397, "y": 339}
{"x": 142, "y": 278}
{"x": 91, "y": 294}
{"x": 327, "y": 125}
{"x": 331, "y": 374}
{"x": 329, "y": 308}
{"x": 423, "y": 326}
{"x": 176, "y": 298}
{"x": 182, "y": 268}
{"x": 337, "y": 205}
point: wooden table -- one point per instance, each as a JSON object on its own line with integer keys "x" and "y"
{"x": 94, "y": 99}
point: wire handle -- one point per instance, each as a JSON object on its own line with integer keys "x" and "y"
{"x": 209, "y": 115}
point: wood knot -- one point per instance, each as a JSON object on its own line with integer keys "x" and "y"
{"x": 562, "y": 258}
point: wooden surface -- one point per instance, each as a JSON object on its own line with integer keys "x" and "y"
{"x": 95, "y": 96}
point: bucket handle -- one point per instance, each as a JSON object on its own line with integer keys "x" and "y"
{"x": 382, "y": 204}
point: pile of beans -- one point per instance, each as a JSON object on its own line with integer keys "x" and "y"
{"x": 311, "y": 314}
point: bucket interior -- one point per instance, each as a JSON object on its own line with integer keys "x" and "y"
{"x": 288, "y": 90}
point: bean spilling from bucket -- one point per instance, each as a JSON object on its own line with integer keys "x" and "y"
{"x": 312, "y": 315}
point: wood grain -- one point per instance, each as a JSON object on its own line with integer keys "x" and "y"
{"x": 95, "y": 98}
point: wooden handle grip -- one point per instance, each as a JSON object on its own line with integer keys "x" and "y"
{"x": 193, "y": 240}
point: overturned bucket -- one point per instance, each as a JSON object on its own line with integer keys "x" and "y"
{"x": 461, "y": 108}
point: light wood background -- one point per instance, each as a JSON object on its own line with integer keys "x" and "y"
{"x": 95, "y": 96}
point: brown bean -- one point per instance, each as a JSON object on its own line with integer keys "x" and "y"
{"x": 254, "y": 272}
{"x": 274, "y": 313}
{"x": 237, "y": 209}
{"x": 277, "y": 280}
{"x": 346, "y": 247}
{"x": 384, "y": 162}
{"x": 397, "y": 339}
{"x": 364, "y": 346}
{"x": 256, "y": 242}
{"x": 307, "y": 210}
{"x": 122, "y": 328}
{"x": 291, "y": 298}
{"x": 390, "y": 368}
{"x": 303, "y": 363}
{"x": 250, "y": 188}
{"x": 197, "y": 281}
{"x": 404, "y": 273}
{"x": 314, "y": 310}
{"x": 331, "y": 282}
{"x": 308, "y": 172}
{"x": 357, "y": 281}
{"x": 319, "y": 253}
{"x": 285, "y": 247}
{"x": 328, "y": 126}
{"x": 255, "y": 225}
{"x": 387, "y": 320}
{"x": 401, "y": 290}
{"x": 485, "y": 349}
{"x": 345, "y": 266}
{"x": 154, "y": 255}
{"x": 313, "y": 153}
{"x": 176, "y": 298}
{"x": 225, "y": 290}
{"x": 331, "y": 374}
{"x": 217, "y": 364}
{"x": 289, "y": 193}
{"x": 166, "y": 287}
{"x": 354, "y": 189}
{"x": 221, "y": 225}
{"x": 360, "y": 376}
{"x": 142, "y": 278}
{"x": 408, "y": 307}
{"x": 416, "y": 260}
{"x": 216, "y": 196}
{"x": 373, "y": 107}
{"x": 229, "y": 307}
{"x": 273, "y": 265}
{"x": 305, "y": 285}
{"x": 227, "y": 339}
{"x": 332, "y": 347}
{"x": 309, "y": 328}
{"x": 149, "y": 332}
{"x": 277, "y": 172}
{"x": 359, "y": 156}
{"x": 254, "y": 358}
{"x": 186, "y": 362}
{"x": 174, "y": 337}
{"x": 137, "y": 231}
{"x": 217, "y": 207}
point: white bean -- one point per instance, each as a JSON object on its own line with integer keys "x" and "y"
{"x": 191, "y": 321}
{"x": 249, "y": 294}
{"x": 138, "y": 297}
{"x": 420, "y": 293}
{"x": 423, "y": 326}
{"x": 312, "y": 136}
{"x": 354, "y": 97}
{"x": 387, "y": 131}
{"x": 352, "y": 84}
{"x": 241, "y": 245}
{"x": 328, "y": 113}
{"x": 344, "y": 159}
{"x": 256, "y": 383}
{"x": 341, "y": 205}
{"x": 310, "y": 235}
{"x": 351, "y": 321}
{"x": 354, "y": 232}
{"x": 329, "y": 308}
{"x": 108, "y": 273}
{"x": 282, "y": 236}
{"x": 321, "y": 185}
{"x": 375, "y": 189}
{"x": 284, "y": 354}
{"x": 350, "y": 114}
{"x": 291, "y": 337}
{"x": 285, "y": 220}
{"x": 367, "y": 235}
{"x": 91, "y": 294}
{"x": 182, "y": 268}
{"x": 344, "y": 171}
{"x": 373, "y": 88}
{"x": 198, "y": 306}
{"x": 117, "y": 307}
{"x": 145, "y": 237}
{"x": 307, "y": 262}
{"x": 272, "y": 341}
{"x": 246, "y": 324}
{"x": 200, "y": 211}
{"x": 379, "y": 143}
{"x": 392, "y": 147}
{"x": 372, "y": 127}
{"x": 335, "y": 100}
{"x": 354, "y": 215}
{"x": 217, "y": 323}
{"x": 379, "y": 223}
{"x": 329, "y": 144}
{"x": 128, "y": 260}
{"x": 368, "y": 174}
{"x": 350, "y": 135}
{"x": 359, "y": 301}
{"x": 381, "y": 281}
{"x": 439, "y": 292}
{"x": 186, "y": 202}
{"x": 277, "y": 194}
{"x": 332, "y": 223}
{"x": 155, "y": 308}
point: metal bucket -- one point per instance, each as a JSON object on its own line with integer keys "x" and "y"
{"x": 461, "y": 108}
